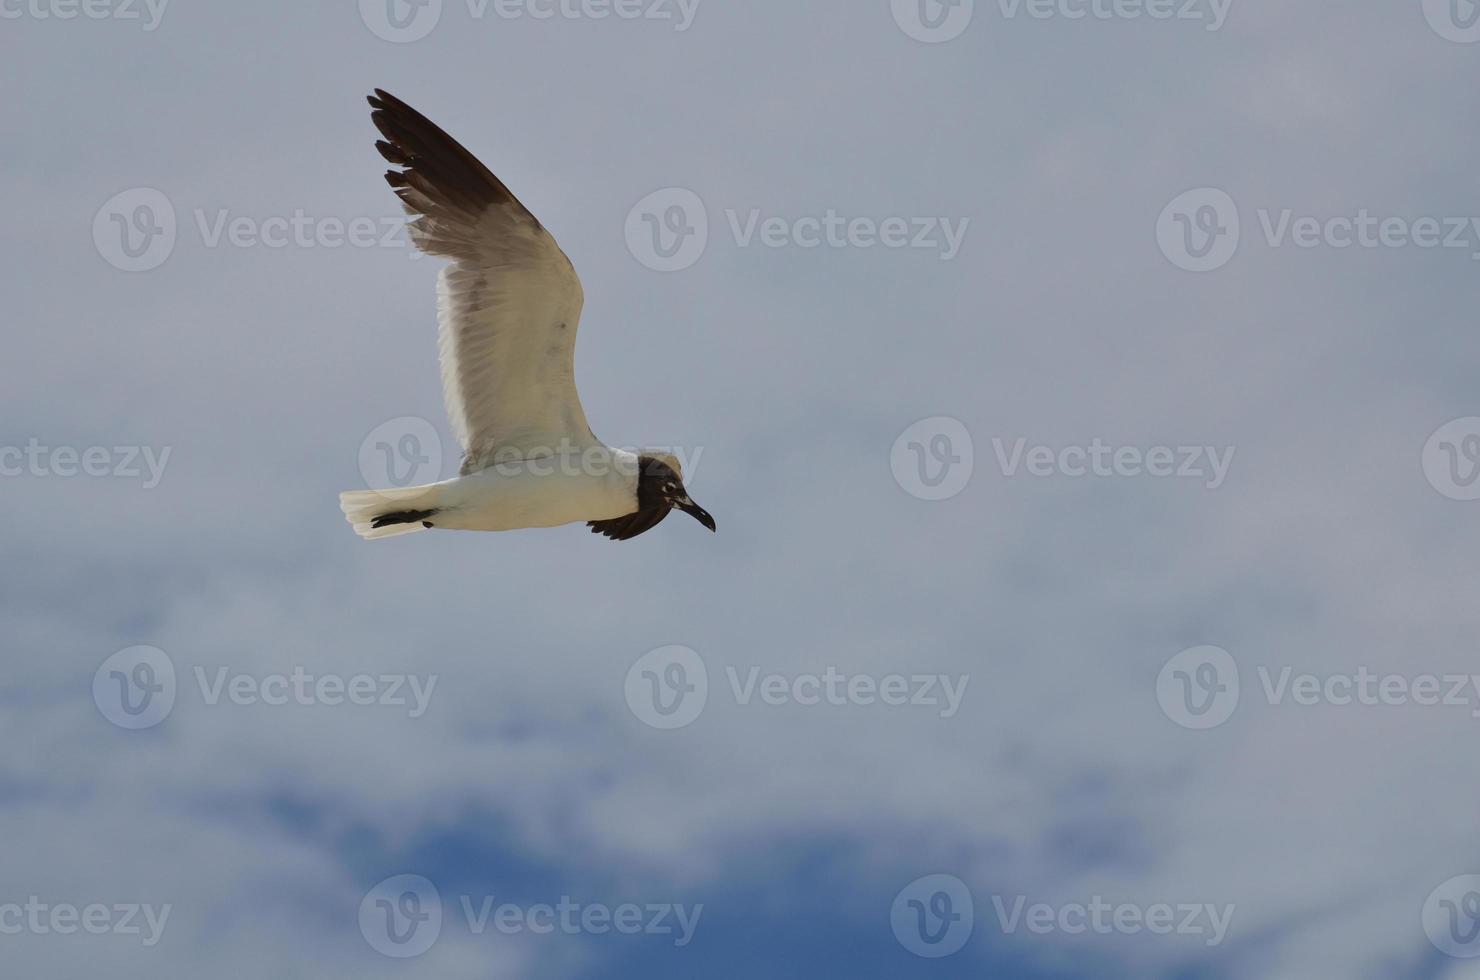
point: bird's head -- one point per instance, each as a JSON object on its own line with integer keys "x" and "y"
{"x": 660, "y": 484}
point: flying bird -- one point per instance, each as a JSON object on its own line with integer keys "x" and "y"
{"x": 508, "y": 307}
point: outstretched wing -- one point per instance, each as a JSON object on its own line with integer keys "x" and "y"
{"x": 508, "y": 306}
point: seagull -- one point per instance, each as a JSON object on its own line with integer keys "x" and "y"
{"x": 508, "y": 307}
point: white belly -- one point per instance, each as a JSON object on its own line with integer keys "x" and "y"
{"x": 540, "y": 493}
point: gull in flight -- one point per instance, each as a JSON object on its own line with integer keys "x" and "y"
{"x": 508, "y": 306}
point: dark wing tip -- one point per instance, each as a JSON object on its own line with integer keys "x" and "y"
{"x": 447, "y": 177}
{"x": 609, "y": 529}
{"x": 631, "y": 525}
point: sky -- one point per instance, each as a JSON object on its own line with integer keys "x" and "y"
{"x": 1084, "y": 391}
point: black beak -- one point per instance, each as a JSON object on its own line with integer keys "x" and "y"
{"x": 696, "y": 512}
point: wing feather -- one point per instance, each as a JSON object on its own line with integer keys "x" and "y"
{"x": 628, "y": 527}
{"x": 509, "y": 305}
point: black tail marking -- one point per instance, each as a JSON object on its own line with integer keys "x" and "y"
{"x": 404, "y": 517}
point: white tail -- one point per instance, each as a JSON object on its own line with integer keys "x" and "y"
{"x": 363, "y": 507}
